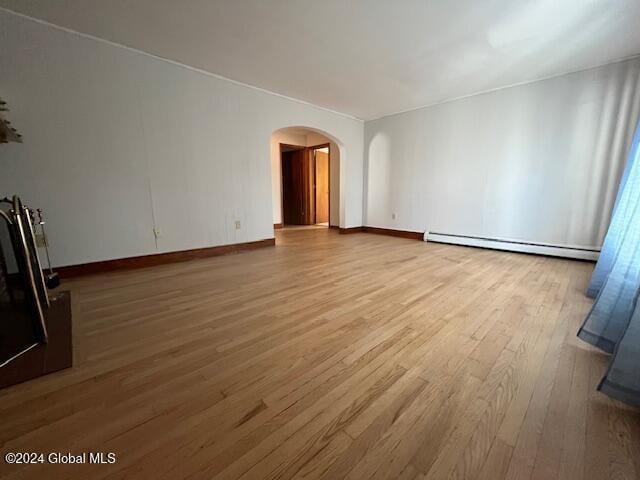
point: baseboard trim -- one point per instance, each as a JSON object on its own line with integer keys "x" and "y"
{"x": 351, "y": 229}
{"x": 395, "y": 233}
{"x": 564, "y": 251}
{"x": 152, "y": 260}
{"x": 384, "y": 231}
{"x": 277, "y": 226}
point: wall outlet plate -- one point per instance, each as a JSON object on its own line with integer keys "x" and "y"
{"x": 238, "y": 225}
{"x": 157, "y": 232}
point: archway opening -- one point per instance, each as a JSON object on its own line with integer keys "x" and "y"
{"x": 305, "y": 176}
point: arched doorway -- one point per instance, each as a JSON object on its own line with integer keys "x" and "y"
{"x": 305, "y": 175}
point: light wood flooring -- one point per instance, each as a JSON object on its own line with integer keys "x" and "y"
{"x": 327, "y": 357}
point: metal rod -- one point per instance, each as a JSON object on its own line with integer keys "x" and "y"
{"x": 18, "y": 354}
{"x": 46, "y": 240}
{"x": 18, "y": 213}
{"x": 4, "y": 215}
{"x": 41, "y": 284}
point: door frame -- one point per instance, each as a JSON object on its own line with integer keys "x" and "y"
{"x": 293, "y": 147}
{"x": 315, "y": 212}
{"x": 307, "y": 150}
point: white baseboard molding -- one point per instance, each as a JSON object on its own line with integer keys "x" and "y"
{"x": 566, "y": 251}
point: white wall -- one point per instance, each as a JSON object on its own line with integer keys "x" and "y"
{"x": 117, "y": 142}
{"x": 304, "y": 139}
{"x": 538, "y": 162}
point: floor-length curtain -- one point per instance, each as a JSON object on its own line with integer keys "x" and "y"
{"x": 616, "y": 228}
{"x": 613, "y": 324}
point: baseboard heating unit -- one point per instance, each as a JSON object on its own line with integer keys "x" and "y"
{"x": 567, "y": 251}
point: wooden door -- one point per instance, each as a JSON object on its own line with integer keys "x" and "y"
{"x": 297, "y": 187}
{"x": 322, "y": 186}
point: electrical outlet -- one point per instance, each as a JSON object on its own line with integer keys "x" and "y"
{"x": 238, "y": 225}
{"x": 157, "y": 232}
{"x": 393, "y": 216}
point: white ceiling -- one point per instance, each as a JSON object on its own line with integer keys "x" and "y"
{"x": 367, "y": 58}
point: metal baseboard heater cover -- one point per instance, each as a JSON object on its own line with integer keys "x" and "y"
{"x": 566, "y": 251}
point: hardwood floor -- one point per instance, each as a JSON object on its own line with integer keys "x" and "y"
{"x": 330, "y": 356}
